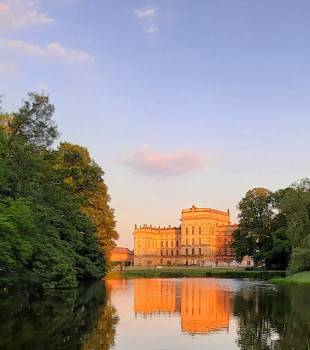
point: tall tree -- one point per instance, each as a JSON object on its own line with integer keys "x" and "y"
{"x": 253, "y": 236}
{"x": 46, "y": 238}
{"x": 84, "y": 178}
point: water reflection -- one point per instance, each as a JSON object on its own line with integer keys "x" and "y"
{"x": 245, "y": 314}
{"x": 273, "y": 319}
{"x": 157, "y": 314}
{"x": 202, "y": 307}
{"x": 70, "y": 319}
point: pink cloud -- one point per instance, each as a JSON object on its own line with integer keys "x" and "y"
{"x": 149, "y": 162}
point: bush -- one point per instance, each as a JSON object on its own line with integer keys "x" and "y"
{"x": 300, "y": 260}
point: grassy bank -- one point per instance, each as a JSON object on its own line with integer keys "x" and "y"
{"x": 296, "y": 278}
{"x": 194, "y": 272}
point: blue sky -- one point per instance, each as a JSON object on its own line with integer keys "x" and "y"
{"x": 181, "y": 102}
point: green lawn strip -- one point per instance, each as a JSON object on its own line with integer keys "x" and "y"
{"x": 191, "y": 272}
{"x": 296, "y": 278}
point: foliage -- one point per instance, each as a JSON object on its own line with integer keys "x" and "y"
{"x": 300, "y": 260}
{"x": 253, "y": 237}
{"x": 47, "y": 238}
{"x": 275, "y": 226}
{"x": 83, "y": 177}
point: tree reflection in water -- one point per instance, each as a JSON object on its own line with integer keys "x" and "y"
{"x": 270, "y": 319}
{"x": 69, "y": 319}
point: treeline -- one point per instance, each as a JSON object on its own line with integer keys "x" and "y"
{"x": 274, "y": 227}
{"x": 56, "y": 225}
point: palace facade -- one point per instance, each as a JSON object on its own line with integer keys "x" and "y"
{"x": 203, "y": 238}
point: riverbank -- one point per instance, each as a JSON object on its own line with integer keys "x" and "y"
{"x": 179, "y": 272}
{"x": 296, "y": 278}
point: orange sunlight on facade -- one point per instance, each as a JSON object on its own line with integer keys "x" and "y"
{"x": 203, "y": 239}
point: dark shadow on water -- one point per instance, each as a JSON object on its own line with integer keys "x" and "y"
{"x": 69, "y": 319}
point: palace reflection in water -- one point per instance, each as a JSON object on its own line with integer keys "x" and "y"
{"x": 203, "y": 307}
{"x": 152, "y": 314}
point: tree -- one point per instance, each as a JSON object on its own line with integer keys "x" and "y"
{"x": 84, "y": 178}
{"x": 46, "y": 238}
{"x": 253, "y": 237}
{"x": 294, "y": 205}
{"x": 33, "y": 122}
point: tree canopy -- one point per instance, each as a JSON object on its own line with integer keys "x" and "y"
{"x": 274, "y": 227}
{"x": 47, "y": 237}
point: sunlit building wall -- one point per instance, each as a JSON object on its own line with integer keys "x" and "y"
{"x": 203, "y": 238}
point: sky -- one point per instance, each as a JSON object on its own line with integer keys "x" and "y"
{"x": 181, "y": 102}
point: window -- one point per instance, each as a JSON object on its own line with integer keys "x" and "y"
{"x": 161, "y": 253}
{"x": 166, "y": 252}
{"x": 193, "y": 241}
{"x": 200, "y": 230}
{"x": 193, "y": 251}
{"x": 200, "y": 251}
{"x": 193, "y": 230}
{"x": 166, "y": 244}
{"x": 171, "y": 252}
{"x": 186, "y": 251}
{"x": 161, "y": 243}
{"x": 186, "y": 241}
{"x": 177, "y": 252}
{"x": 171, "y": 243}
{"x": 186, "y": 231}
{"x": 199, "y": 241}
{"x": 177, "y": 243}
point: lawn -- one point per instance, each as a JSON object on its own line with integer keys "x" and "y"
{"x": 296, "y": 278}
{"x": 175, "y": 272}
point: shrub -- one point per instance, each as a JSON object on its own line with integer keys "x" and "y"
{"x": 300, "y": 260}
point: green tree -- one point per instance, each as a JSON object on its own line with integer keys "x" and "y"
{"x": 84, "y": 178}
{"x": 253, "y": 237}
{"x": 46, "y": 238}
{"x": 294, "y": 205}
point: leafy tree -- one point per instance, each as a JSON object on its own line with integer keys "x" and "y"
{"x": 253, "y": 237}
{"x": 46, "y": 237}
{"x": 84, "y": 178}
{"x": 33, "y": 122}
{"x": 294, "y": 205}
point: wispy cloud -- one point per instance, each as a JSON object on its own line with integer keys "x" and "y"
{"x": 154, "y": 163}
{"x": 145, "y": 12}
{"x": 52, "y": 50}
{"x": 148, "y": 17}
{"x": 17, "y": 14}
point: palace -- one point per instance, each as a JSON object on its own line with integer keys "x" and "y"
{"x": 203, "y": 239}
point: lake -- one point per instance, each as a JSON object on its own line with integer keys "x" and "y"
{"x": 158, "y": 314}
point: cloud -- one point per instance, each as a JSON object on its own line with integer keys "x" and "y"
{"x": 18, "y": 14}
{"x": 53, "y": 50}
{"x": 153, "y": 163}
{"x": 148, "y": 16}
{"x": 145, "y": 12}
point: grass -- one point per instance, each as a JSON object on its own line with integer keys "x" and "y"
{"x": 175, "y": 272}
{"x": 296, "y": 278}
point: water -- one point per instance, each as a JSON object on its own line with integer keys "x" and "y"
{"x": 159, "y": 314}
